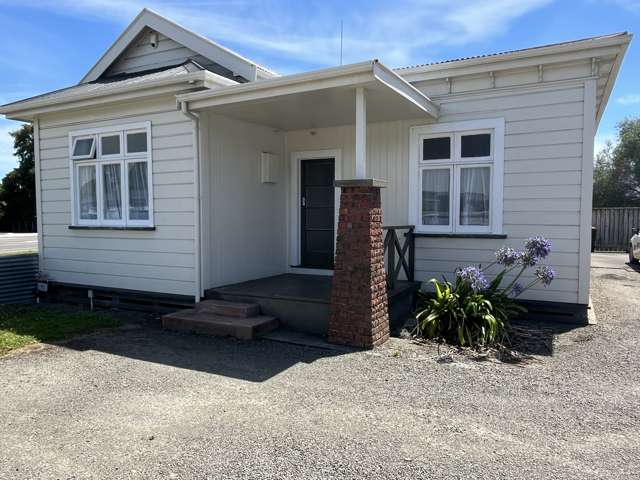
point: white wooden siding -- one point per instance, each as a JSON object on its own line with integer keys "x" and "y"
{"x": 158, "y": 261}
{"x": 244, "y": 220}
{"x": 542, "y": 184}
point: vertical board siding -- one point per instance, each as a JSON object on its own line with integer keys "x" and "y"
{"x": 542, "y": 184}
{"x": 159, "y": 261}
{"x": 18, "y": 278}
{"x": 245, "y": 220}
{"x": 613, "y": 227}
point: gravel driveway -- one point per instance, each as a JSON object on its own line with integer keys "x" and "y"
{"x": 143, "y": 403}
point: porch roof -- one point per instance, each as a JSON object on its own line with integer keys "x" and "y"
{"x": 316, "y": 99}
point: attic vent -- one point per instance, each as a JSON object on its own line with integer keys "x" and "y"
{"x": 153, "y": 39}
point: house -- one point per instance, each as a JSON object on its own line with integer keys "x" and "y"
{"x": 177, "y": 168}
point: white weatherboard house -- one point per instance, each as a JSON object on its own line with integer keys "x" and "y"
{"x": 178, "y": 167}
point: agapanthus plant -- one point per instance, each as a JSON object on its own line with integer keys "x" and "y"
{"x": 474, "y": 311}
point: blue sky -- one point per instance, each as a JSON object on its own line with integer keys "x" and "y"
{"x": 49, "y": 44}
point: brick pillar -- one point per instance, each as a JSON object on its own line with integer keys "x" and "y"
{"x": 359, "y": 307}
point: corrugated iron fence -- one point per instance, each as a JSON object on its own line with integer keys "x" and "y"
{"x": 614, "y": 227}
{"x": 18, "y": 278}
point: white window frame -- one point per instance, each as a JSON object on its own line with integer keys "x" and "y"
{"x": 123, "y": 159}
{"x": 72, "y": 143}
{"x": 109, "y": 134}
{"x": 495, "y": 162}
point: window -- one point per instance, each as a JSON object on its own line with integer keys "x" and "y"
{"x": 111, "y": 172}
{"x": 457, "y": 186}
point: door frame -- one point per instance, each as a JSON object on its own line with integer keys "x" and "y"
{"x": 294, "y": 204}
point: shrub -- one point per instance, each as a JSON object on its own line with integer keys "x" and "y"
{"x": 475, "y": 312}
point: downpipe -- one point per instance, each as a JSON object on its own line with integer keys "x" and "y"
{"x": 195, "y": 119}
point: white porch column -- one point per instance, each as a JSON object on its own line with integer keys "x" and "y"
{"x": 361, "y": 134}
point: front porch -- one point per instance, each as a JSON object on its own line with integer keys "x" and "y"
{"x": 303, "y": 302}
{"x": 274, "y": 207}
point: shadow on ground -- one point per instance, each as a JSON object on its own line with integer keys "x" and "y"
{"x": 529, "y": 337}
{"x": 254, "y": 361}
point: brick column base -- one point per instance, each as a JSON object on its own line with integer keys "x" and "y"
{"x": 359, "y": 307}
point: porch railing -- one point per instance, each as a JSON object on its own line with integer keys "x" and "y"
{"x": 400, "y": 255}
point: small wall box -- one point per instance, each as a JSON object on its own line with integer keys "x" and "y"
{"x": 269, "y": 167}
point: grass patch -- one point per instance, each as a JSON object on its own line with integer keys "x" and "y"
{"x": 24, "y": 325}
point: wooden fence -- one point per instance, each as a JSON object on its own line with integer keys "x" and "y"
{"x": 614, "y": 227}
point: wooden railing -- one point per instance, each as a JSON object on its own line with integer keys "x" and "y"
{"x": 400, "y": 256}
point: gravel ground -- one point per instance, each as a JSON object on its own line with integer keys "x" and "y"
{"x": 142, "y": 403}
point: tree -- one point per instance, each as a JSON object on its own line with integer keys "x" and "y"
{"x": 17, "y": 190}
{"x": 616, "y": 176}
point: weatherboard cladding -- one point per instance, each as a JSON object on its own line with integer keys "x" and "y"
{"x": 158, "y": 261}
{"x": 141, "y": 56}
{"x": 542, "y": 183}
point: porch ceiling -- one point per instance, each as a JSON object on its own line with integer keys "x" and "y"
{"x": 318, "y": 99}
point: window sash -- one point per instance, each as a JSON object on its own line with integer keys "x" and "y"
{"x": 76, "y": 179}
{"x": 459, "y": 227}
{"x": 103, "y": 197}
{"x": 102, "y": 155}
{"x": 92, "y": 151}
{"x": 438, "y": 228}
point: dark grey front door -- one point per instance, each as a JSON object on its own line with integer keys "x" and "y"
{"x": 317, "y": 212}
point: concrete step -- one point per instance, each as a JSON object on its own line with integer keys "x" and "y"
{"x": 229, "y": 309}
{"x": 207, "y": 323}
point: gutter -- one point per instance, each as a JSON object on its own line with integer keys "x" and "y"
{"x": 195, "y": 119}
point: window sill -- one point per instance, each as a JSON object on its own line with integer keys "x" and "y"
{"x": 460, "y": 235}
{"x": 97, "y": 227}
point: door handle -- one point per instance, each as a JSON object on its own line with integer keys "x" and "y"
{"x": 304, "y": 201}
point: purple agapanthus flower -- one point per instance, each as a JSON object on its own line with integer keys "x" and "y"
{"x": 527, "y": 259}
{"x": 517, "y": 289}
{"x": 545, "y": 274}
{"x": 474, "y": 277}
{"x": 538, "y": 246}
{"x": 507, "y": 256}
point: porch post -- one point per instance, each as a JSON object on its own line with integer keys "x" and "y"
{"x": 361, "y": 134}
{"x": 359, "y": 305}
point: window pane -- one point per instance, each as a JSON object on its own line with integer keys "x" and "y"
{"x": 87, "y": 197}
{"x": 476, "y": 145}
{"x": 137, "y": 142}
{"x": 82, "y": 147}
{"x": 138, "y": 191}
{"x": 475, "y": 194}
{"x": 436, "y": 148}
{"x": 110, "y": 145}
{"x": 112, "y": 193}
{"x": 435, "y": 197}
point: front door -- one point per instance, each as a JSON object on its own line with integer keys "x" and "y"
{"x": 317, "y": 212}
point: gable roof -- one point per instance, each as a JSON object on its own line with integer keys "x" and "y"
{"x": 238, "y": 64}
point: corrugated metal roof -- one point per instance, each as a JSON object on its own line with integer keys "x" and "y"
{"x": 509, "y": 52}
{"x": 116, "y": 82}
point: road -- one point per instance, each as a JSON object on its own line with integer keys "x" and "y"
{"x": 18, "y": 242}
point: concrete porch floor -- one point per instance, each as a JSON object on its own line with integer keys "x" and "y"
{"x": 302, "y": 302}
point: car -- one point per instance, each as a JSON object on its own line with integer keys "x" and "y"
{"x": 634, "y": 247}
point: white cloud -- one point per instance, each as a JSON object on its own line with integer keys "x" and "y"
{"x": 629, "y": 99}
{"x": 401, "y": 32}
